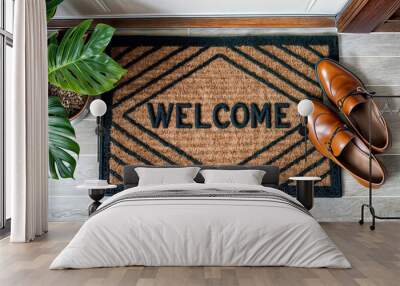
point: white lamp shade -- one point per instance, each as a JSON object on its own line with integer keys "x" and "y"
{"x": 305, "y": 107}
{"x": 98, "y": 108}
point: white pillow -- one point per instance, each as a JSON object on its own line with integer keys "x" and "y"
{"x": 248, "y": 177}
{"x": 166, "y": 176}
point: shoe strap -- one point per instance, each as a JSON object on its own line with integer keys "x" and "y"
{"x": 358, "y": 95}
{"x": 339, "y": 140}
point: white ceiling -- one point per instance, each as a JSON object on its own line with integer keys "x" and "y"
{"x": 160, "y": 8}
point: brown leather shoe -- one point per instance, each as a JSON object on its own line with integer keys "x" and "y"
{"x": 348, "y": 93}
{"x": 335, "y": 141}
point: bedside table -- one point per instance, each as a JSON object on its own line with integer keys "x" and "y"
{"x": 96, "y": 193}
{"x": 305, "y": 190}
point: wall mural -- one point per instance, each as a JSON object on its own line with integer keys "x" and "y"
{"x": 229, "y": 100}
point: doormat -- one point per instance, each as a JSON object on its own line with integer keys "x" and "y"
{"x": 216, "y": 101}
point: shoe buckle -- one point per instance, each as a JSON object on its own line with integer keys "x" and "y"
{"x": 364, "y": 91}
{"x": 358, "y": 90}
{"x": 341, "y": 101}
{"x": 329, "y": 146}
{"x": 337, "y": 130}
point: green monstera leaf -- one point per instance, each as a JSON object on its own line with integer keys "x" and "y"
{"x": 61, "y": 141}
{"x": 80, "y": 65}
{"x": 51, "y": 8}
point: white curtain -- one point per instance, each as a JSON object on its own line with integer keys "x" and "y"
{"x": 28, "y": 154}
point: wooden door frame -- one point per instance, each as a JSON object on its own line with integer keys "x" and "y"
{"x": 364, "y": 16}
{"x": 205, "y": 22}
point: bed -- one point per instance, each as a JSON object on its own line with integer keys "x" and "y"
{"x": 197, "y": 224}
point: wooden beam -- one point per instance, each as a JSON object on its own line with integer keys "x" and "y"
{"x": 391, "y": 25}
{"x": 349, "y": 13}
{"x": 396, "y": 15}
{"x": 205, "y": 22}
{"x": 363, "y": 16}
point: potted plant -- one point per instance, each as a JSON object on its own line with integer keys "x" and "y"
{"x": 76, "y": 105}
{"x": 77, "y": 65}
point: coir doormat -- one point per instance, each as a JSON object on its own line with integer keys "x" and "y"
{"x": 229, "y": 100}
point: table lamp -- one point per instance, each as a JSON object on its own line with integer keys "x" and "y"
{"x": 305, "y": 108}
{"x": 98, "y": 108}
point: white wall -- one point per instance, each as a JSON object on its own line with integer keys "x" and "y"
{"x": 146, "y": 8}
{"x": 374, "y": 57}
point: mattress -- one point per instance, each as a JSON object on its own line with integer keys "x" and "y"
{"x": 201, "y": 225}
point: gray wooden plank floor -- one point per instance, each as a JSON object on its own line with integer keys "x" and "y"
{"x": 375, "y": 257}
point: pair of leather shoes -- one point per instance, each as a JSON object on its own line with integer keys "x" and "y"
{"x": 348, "y": 144}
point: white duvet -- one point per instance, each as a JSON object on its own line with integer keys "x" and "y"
{"x": 200, "y": 231}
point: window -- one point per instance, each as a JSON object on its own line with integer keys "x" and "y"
{"x": 6, "y": 65}
{"x": 9, "y": 13}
